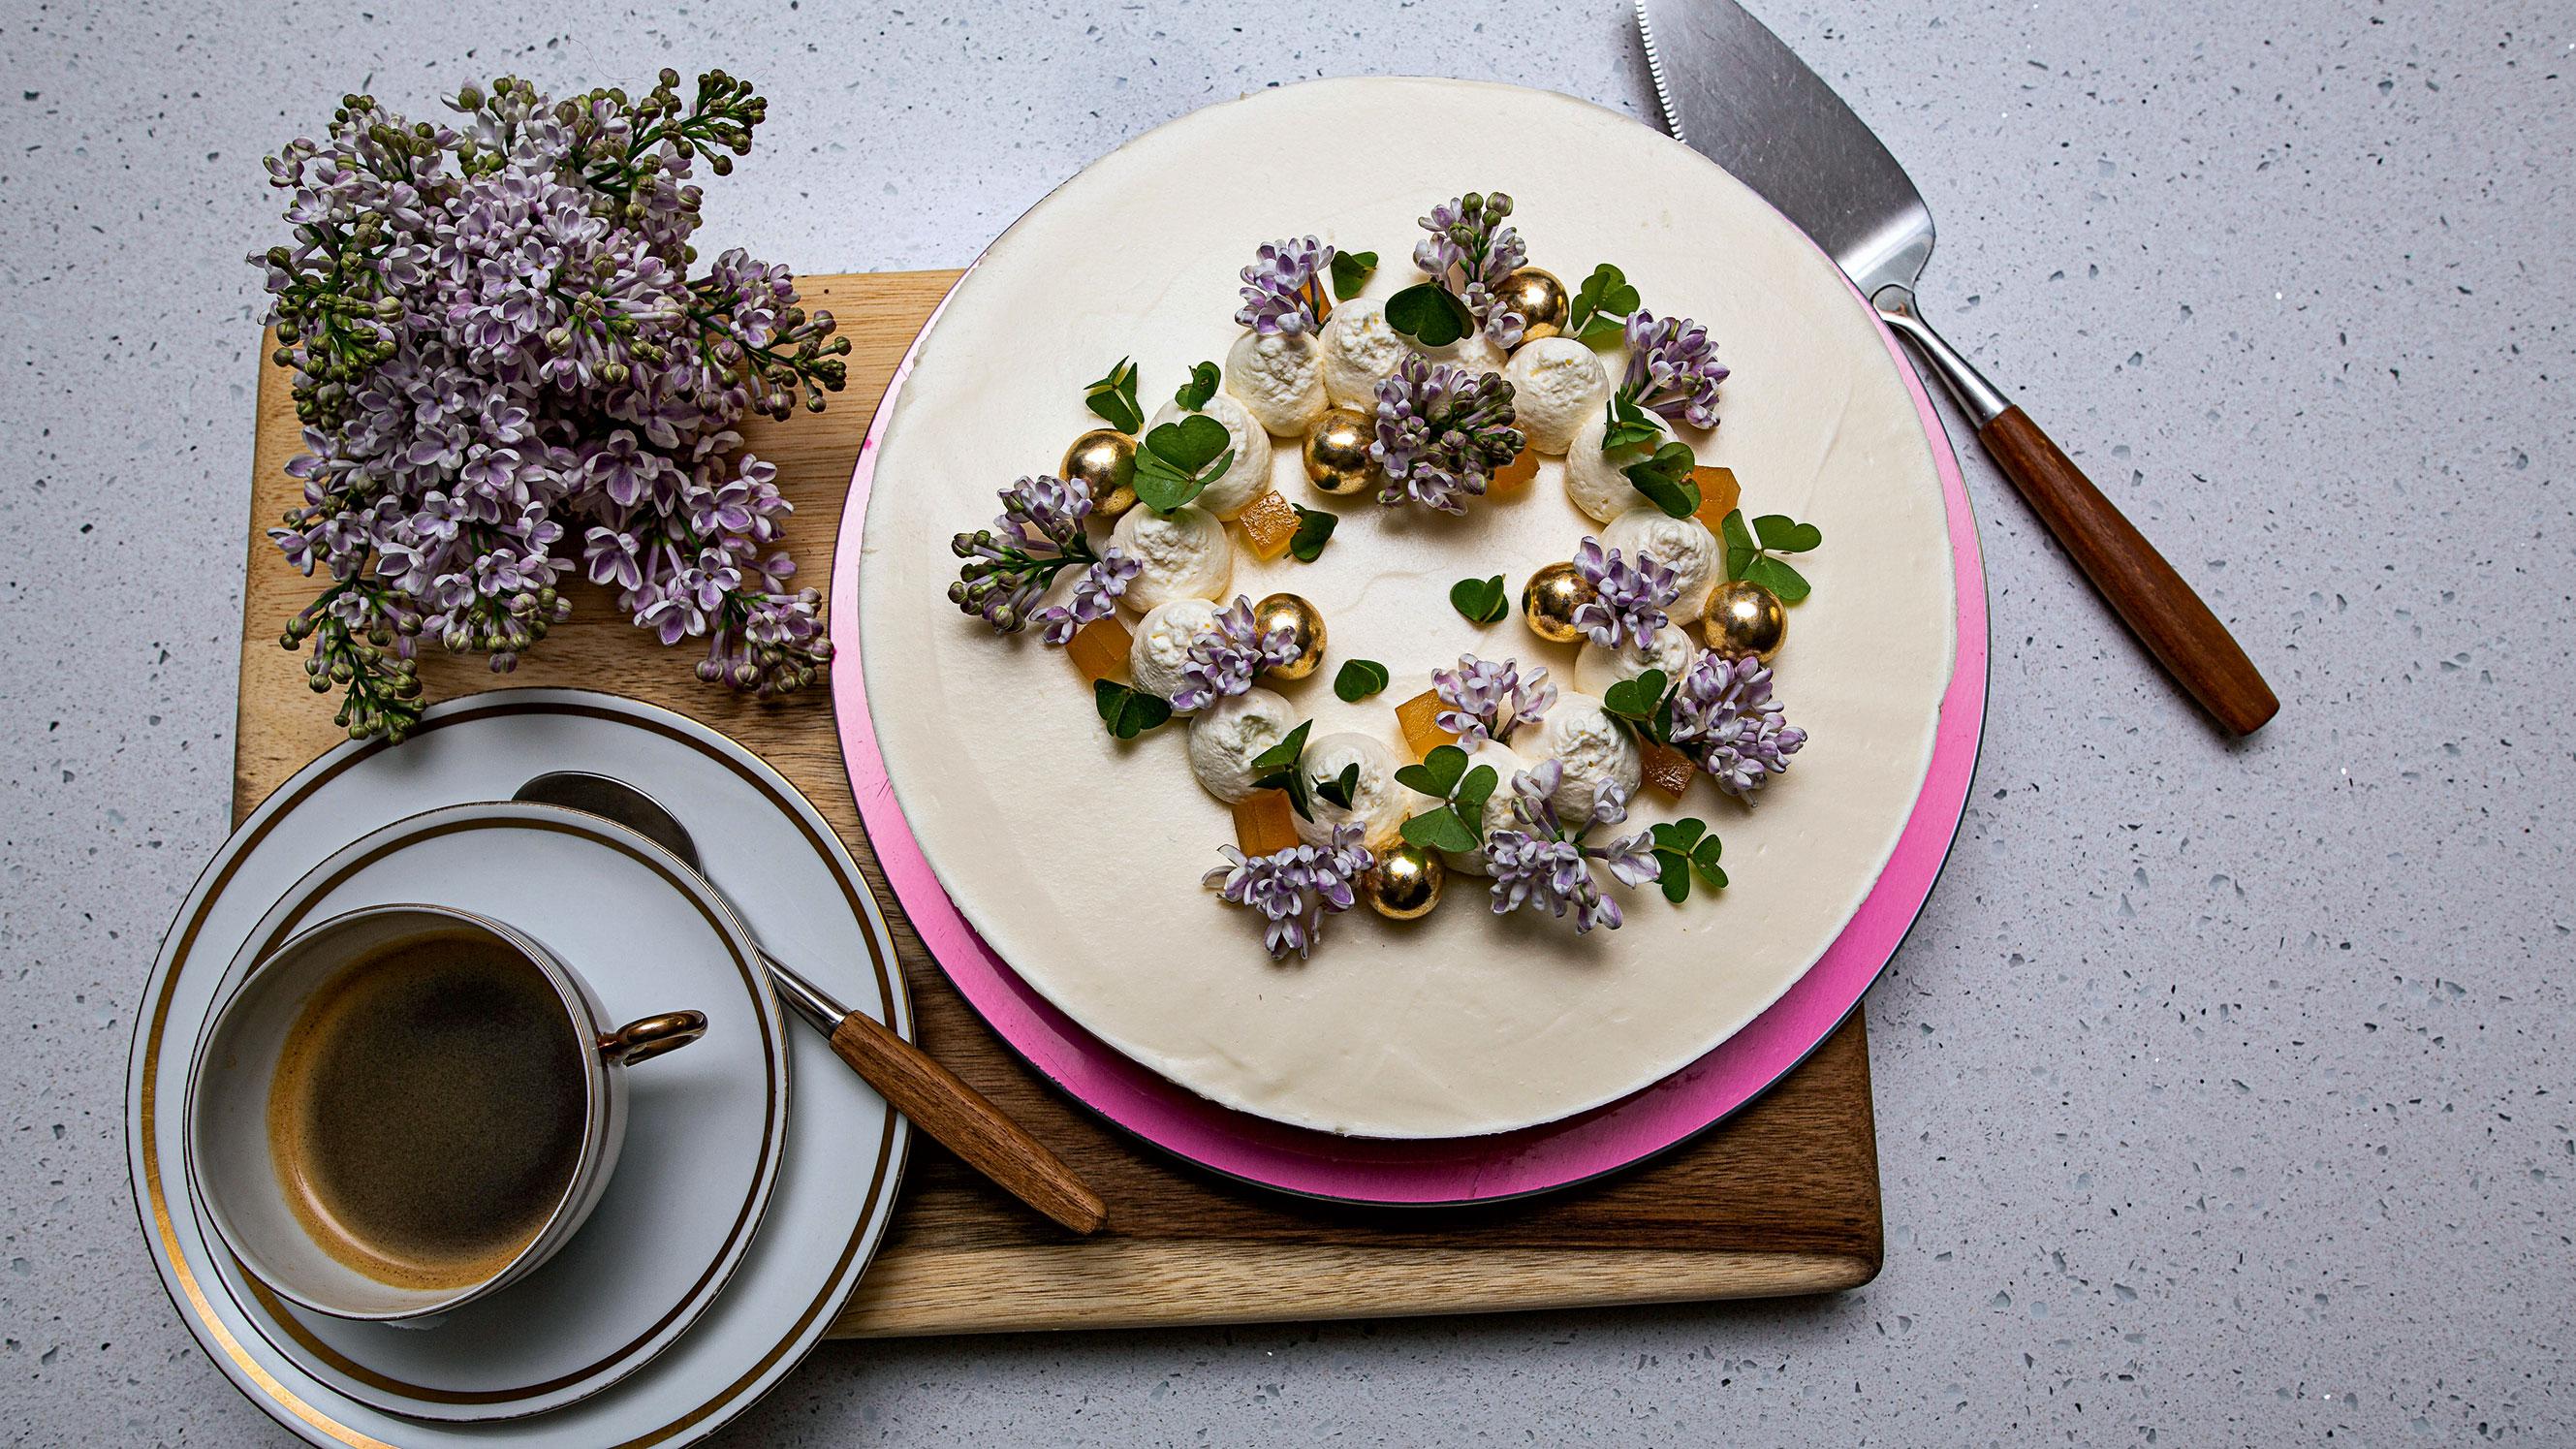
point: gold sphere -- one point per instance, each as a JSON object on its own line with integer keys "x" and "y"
{"x": 1337, "y": 451}
{"x": 1306, "y": 628}
{"x": 1540, "y": 298}
{"x": 1405, "y": 884}
{"x": 1104, "y": 460}
{"x": 1549, "y": 599}
{"x": 1745, "y": 618}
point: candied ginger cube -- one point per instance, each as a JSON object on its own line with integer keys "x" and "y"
{"x": 1264, "y": 823}
{"x": 1515, "y": 473}
{"x": 1414, "y": 716}
{"x": 1099, "y": 649}
{"x": 1269, "y": 522}
{"x": 1718, "y": 495}
{"x": 1666, "y": 768}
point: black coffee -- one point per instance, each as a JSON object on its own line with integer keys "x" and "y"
{"x": 428, "y": 1111}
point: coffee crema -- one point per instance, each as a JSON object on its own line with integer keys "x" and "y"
{"x": 428, "y": 1111}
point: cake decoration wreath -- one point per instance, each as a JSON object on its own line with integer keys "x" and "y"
{"x": 1439, "y": 397}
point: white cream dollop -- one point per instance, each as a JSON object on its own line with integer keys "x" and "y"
{"x": 1595, "y": 749}
{"x": 1378, "y": 805}
{"x": 1279, "y": 379}
{"x": 1182, "y": 554}
{"x": 1557, "y": 384}
{"x": 1683, "y": 545}
{"x": 1245, "y": 478}
{"x": 1162, "y": 644}
{"x": 1230, "y": 734}
{"x": 1596, "y": 668}
{"x": 1359, "y": 349}
{"x": 1506, "y": 762}
{"x": 1595, "y": 483}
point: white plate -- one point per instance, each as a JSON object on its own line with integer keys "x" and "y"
{"x": 647, "y": 936}
{"x": 779, "y": 864}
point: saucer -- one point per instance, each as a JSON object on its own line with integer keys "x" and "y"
{"x": 648, "y": 936}
{"x": 781, "y": 867}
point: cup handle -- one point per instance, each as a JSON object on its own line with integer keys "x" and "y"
{"x": 648, "y": 1037}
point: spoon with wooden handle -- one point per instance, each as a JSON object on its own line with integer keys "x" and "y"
{"x": 960, "y": 1118}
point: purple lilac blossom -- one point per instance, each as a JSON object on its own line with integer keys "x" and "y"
{"x": 1725, "y": 716}
{"x": 1542, "y": 864}
{"x": 1471, "y": 250}
{"x": 1628, "y": 600}
{"x": 1441, "y": 433}
{"x": 1484, "y": 699}
{"x": 1672, "y": 368}
{"x": 1283, "y": 289}
{"x": 1227, "y": 655}
{"x": 497, "y": 348}
{"x": 1038, "y": 535}
{"x": 1294, "y": 889}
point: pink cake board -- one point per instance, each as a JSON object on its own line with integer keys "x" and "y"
{"x": 1454, "y": 1170}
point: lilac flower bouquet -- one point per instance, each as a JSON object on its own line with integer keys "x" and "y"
{"x": 506, "y": 373}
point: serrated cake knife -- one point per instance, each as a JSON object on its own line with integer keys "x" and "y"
{"x": 1731, "y": 91}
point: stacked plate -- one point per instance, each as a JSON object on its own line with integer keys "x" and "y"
{"x": 741, "y": 1213}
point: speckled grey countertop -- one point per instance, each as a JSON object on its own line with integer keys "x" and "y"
{"x": 2223, "y": 1090}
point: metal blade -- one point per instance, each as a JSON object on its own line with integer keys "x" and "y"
{"x": 1735, "y": 94}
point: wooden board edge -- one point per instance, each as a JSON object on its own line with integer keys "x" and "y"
{"x": 1146, "y": 1285}
{"x": 274, "y": 382}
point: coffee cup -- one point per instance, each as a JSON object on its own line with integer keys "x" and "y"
{"x": 406, "y": 1108}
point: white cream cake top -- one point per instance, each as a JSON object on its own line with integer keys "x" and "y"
{"x": 1078, "y": 857}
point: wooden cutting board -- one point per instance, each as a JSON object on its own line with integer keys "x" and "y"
{"x": 1782, "y": 1199}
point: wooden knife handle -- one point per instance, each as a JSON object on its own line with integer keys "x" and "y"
{"x": 965, "y": 1122}
{"x": 2150, "y": 597}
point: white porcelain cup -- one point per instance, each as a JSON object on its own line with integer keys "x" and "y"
{"x": 231, "y": 1162}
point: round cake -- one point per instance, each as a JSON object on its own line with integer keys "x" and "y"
{"x": 1079, "y": 856}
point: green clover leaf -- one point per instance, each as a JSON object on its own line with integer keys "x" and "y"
{"x": 1599, "y": 310}
{"x": 1194, "y": 394}
{"x": 1475, "y": 790}
{"x": 1481, "y": 600}
{"x": 1638, "y": 698}
{"x": 1114, "y": 397}
{"x": 1665, "y": 479}
{"x": 1180, "y": 459}
{"x": 1438, "y": 774}
{"x": 1358, "y": 679}
{"x": 1128, "y": 712}
{"x": 1351, "y": 272}
{"x": 1782, "y": 534}
{"x": 1753, "y": 562}
{"x": 1314, "y": 530}
{"x": 1626, "y": 425}
{"x": 1278, "y": 767}
{"x": 1430, "y": 314}
{"x": 1439, "y": 829}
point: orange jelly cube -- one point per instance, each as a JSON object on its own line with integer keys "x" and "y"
{"x": 1414, "y": 718}
{"x": 1099, "y": 649}
{"x": 1666, "y": 768}
{"x": 1515, "y": 473}
{"x": 1718, "y": 495}
{"x": 1264, "y": 823}
{"x": 1268, "y": 523}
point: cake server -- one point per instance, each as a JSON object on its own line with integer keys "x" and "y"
{"x": 1731, "y": 91}
{"x": 960, "y": 1118}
